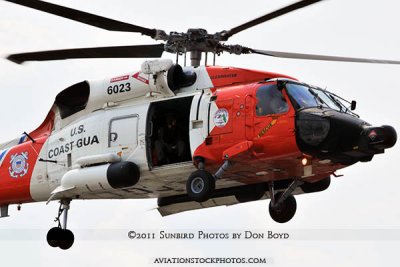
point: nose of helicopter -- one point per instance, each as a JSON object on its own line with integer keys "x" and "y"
{"x": 390, "y": 135}
{"x": 341, "y": 137}
{"x": 382, "y": 137}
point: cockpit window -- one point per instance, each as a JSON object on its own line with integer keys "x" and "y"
{"x": 308, "y": 97}
{"x": 270, "y": 100}
{"x": 301, "y": 95}
{"x": 326, "y": 99}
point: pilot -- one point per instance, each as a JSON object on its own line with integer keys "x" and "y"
{"x": 169, "y": 146}
{"x": 270, "y": 101}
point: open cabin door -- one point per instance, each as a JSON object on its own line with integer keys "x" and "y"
{"x": 167, "y": 134}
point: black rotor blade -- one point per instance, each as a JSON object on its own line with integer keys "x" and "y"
{"x": 84, "y": 17}
{"x": 134, "y": 51}
{"x": 269, "y": 16}
{"x": 321, "y": 57}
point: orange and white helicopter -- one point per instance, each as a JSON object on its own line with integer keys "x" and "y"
{"x": 193, "y": 136}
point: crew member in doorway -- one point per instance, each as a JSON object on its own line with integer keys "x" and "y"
{"x": 169, "y": 146}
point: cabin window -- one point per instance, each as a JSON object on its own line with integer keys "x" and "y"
{"x": 123, "y": 132}
{"x": 270, "y": 101}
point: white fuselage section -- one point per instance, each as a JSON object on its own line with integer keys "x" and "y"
{"x": 116, "y": 122}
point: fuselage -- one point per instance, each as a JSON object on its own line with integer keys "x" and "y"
{"x": 220, "y": 114}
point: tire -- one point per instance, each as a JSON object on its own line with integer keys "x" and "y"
{"x": 285, "y": 212}
{"x": 319, "y": 186}
{"x": 251, "y": 193}
{"x": 200, "y": 186}
{"x": 53, "y": 236}
{"x": 67, "y": 239}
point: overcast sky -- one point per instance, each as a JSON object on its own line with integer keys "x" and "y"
{"x": 365, "y": 201}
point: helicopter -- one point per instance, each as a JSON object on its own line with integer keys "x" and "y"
{"x": 243, "y": 135}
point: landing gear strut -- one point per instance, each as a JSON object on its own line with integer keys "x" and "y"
{"x": 283, "y": 205}
{"x": 60, "y": 236}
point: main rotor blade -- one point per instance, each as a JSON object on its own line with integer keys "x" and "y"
{"x": 269, "y": 16}
{"x": 321, "y": 57}
{"x": 84, "y": 17}
{"x": 135, "y": 51}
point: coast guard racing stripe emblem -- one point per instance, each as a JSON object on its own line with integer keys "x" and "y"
{"x": 19, "y": 166}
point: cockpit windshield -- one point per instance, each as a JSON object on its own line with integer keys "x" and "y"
{"x": 305, "y": 96}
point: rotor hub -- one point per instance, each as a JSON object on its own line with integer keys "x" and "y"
{"x": 195, "y": 39}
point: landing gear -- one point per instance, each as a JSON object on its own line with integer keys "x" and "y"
{"x": 285, "y": 211}
{"x": 60, "y": 236}
{"x": 200, "y": 185}
{"x": 283, "y": 205}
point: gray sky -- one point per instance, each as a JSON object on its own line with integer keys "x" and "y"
{"x": 365, "y": 198}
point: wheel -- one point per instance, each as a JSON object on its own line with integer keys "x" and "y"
{"x": 286, "y": 211}
{"x": 53, "y": 236}
{"x": 200, "y": 185}
{"x": 250, "y": 193}
{"x": 319, "y": 186}
{"x": 67, "y": 239}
